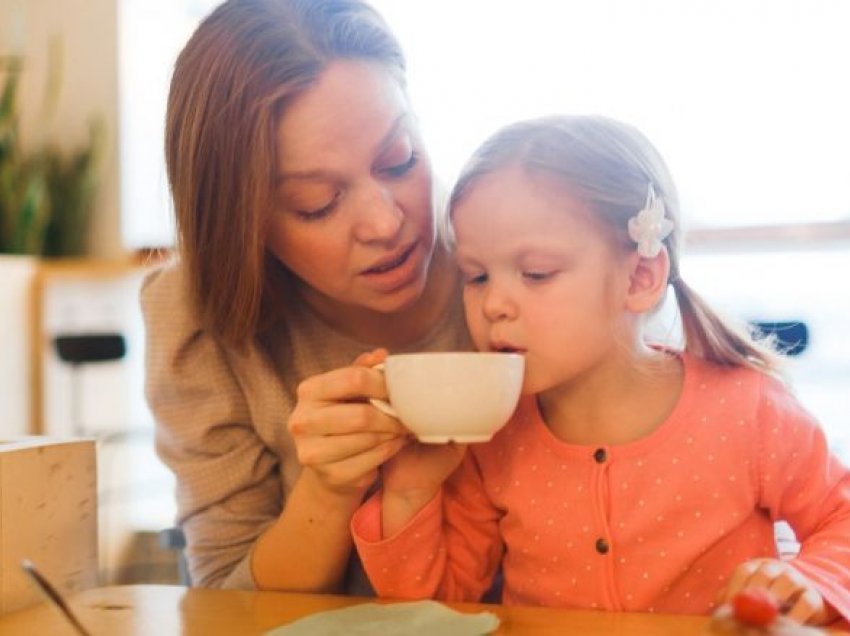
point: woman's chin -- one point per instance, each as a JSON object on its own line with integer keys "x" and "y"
{"x": 401, "y": 299}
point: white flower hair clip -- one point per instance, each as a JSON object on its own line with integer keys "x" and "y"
{"x": 649, "y": 227}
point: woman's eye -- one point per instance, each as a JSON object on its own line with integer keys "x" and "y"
{"x": 401, "y": 169}
{"x": 318, "y": 213}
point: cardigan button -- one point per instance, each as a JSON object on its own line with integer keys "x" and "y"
{"x": 602, "y": 546}
{"x": 600, "y": 455}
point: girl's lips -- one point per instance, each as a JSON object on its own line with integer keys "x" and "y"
{"x": 503, "y": 347}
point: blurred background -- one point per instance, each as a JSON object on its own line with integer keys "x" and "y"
{"x": 743, "y": 98}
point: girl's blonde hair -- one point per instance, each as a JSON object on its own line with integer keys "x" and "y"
{"x": 231, "y": 84}
{"x": 610, "y": 166}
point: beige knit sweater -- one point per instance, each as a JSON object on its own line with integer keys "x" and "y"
{"x": 221, "y": 418}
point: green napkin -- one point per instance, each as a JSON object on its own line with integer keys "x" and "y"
{"x": 424, "y": 618}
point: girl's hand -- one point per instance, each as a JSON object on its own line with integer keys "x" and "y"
{"x": 790, "y": 588}
{"x": 421, "y": 468}
{"x": 412, "y": 478}
{"x": 337, "y": 433}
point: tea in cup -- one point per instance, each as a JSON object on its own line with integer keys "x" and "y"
{"x": 452, "y": 396}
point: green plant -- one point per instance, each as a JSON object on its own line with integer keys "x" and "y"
{"x": 71, "y": 187}
{"x": 24, "y": 203}
{"x": 46, "y": 197}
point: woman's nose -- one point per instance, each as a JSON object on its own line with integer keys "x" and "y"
{"x": 379, "y": 217}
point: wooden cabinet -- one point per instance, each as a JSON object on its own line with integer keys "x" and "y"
{"x": 48, "y": 514}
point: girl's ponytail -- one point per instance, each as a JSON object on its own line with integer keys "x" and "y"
{"x": 710, "y": 337}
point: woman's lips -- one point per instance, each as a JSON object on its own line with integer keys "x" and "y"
{"x": 391, "y": 262}
{"x": 395, "y": 271}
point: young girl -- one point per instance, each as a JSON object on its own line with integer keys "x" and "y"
{"x": 632, "y": 477}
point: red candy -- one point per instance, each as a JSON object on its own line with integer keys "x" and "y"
{"x": 755, "y": 606}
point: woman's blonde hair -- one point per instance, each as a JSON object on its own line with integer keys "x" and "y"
{"x": 230, "y": 86}
{"x": 610, "y": 166}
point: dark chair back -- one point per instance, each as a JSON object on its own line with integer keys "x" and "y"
{"x": 792, "y": 336}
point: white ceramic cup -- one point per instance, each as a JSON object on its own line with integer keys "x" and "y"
{"x": 456, "y": 396}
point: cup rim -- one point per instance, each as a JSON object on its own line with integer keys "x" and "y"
{"x": 447, "y": 354}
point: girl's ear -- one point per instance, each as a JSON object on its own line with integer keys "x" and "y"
{"x": 647, "y": 281}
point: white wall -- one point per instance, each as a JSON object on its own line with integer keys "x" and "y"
{"x": 17, "y": 274}
{"x": 150, "y": 35}
{"x": 88, "y": 33}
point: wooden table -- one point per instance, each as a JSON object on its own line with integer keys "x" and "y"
{"x": 163, "y": 610}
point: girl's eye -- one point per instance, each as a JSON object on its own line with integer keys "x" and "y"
{"x": 475, "y": 279}
{"x": 403, "y": 168}
{"x": 318, "y": 213}
{"x": 537, "y": 276}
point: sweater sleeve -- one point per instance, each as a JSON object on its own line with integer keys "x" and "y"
{"x": 228, "y": 481}
{"x": 804, "y": 484}
{"x": 449, "y": 551}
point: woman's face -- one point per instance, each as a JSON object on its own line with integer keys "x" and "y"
{"x": 354, "y": 218}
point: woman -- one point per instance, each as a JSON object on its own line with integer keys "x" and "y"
{"x": 307, "y": 239}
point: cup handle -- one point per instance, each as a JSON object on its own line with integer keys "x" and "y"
{"x": 382, "y": 405}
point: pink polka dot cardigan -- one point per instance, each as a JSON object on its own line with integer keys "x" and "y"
{"x": 658, "y": 524}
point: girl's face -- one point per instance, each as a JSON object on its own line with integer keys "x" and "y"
{"x": 540, "y": 277}
{"x": 353, "y": 219}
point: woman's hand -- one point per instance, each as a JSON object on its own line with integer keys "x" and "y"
{"x": 340, "y": 436}
{"x": 790, "y": 588}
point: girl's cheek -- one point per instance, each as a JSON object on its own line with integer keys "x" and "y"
{"x": 480, "y": 336}
{"x": 474, "y": 323}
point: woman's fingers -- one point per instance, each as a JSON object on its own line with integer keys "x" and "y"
{"x": 361, "y": 468}
{"x": 371, "y": 358}
{"x": 337, "y": 432}
{"x": 345, "y": 441}
{"x": 342, "y": 419}
{"x": 318, "y": 451}
{"x": 340, "y": 385}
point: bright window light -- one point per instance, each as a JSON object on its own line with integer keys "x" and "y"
{"x": 744, "y": 98}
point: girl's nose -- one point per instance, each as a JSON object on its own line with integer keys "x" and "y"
{"x": 498, "y": 304}
{"x": 379, "y": 217}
